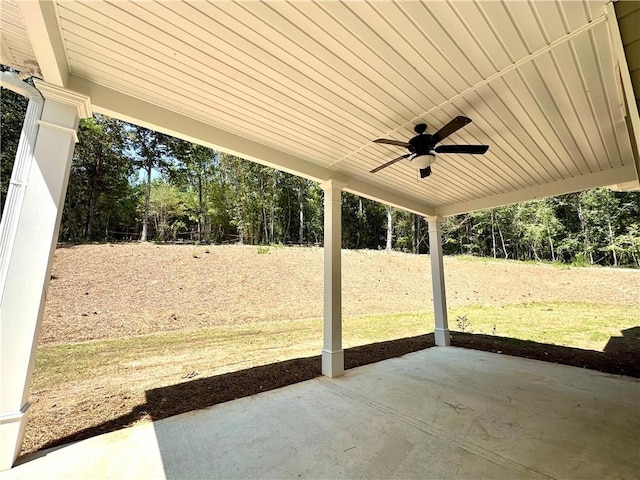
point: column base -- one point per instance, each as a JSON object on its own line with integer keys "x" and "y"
{"x": 443, "y": 339}
{"x": 333, "y": 363}
{"x": 12, "y": 428}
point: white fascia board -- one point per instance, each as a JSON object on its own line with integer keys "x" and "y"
{"x": 619, "y": 175}
{"x": 632, "y": 116}
{"x": 139, "y": 112}
{"x": 389, "y": 198}
{"x": 41, "y": 21}
{"x": 133, "y": 110}
{"x": 626, "y": 187}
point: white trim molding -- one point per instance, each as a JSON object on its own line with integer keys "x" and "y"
{"x": 632, "y": 116}
{"x": 575, "y": 184}
{"x": 65, "y": 96}
{"x": 67, "y": 130}
{"x": 41, "y": 21}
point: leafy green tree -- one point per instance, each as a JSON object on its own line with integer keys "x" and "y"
{"x": 628, "y": 246}
{"x": 167, "y": 210}
{"x": 244, "y": 195}
{"x": 364, "y": 222}
{"x": 150, "y": 152}
{"x": 196, "y": 170}
{"x": 98, "y": 181}
{"x": 313, "y": 213}
{"x": 12, "y": 110}
{"x": 410, "y": 231}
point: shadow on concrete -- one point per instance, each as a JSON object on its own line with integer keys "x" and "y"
{"x": 200, "y": 393}
{"x": 621, "y": 356}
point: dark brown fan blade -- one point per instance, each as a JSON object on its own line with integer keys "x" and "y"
{"x": 391, "y": 162}
{"x": 425, "y": 172}
{"x": 451, "y": 127}
{"x": 388, "y": 141}
{"x": 472, "y": 149}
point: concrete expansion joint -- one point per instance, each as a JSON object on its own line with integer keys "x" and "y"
{"x": 437, "y": 432}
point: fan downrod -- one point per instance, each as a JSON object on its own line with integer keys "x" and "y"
{"x": 420, "y": 128}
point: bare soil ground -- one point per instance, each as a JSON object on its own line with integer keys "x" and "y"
{"x": 120, "y": 291}
{"x": 113, "y": 291}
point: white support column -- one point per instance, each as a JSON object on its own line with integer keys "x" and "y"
{"x": 27, "y": 252}
{"x": 437, "y": 281}
{"x": 332, "y": 353}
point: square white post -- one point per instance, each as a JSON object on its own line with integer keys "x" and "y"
{"x": 441, "y": 331}
{"x": 28, "y": 252}
{"x": 332, "y": 353}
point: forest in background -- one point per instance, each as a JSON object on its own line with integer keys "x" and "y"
{"x": 129, "y": 183}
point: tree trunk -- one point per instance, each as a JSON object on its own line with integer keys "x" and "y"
{"x": 93, "y": 198}
{"x": 414, "y": 236}
{"x": 389, "y": 228}
{"x": 91, "y": 208}
{"x": 553, "y": 253}
{"x": 301, "y": 208}
{"x": 241, "y": 235}
{"x": 421, "y": 237}
{"x": 504, "y": 248}
{"x": 272, "y": 236}
{"x": 493, "y": 234}
{"x": 200, "y": 207}
{"x": 285, "y": 234}
{"x": 585, "y": 232}
{"x": 266, "y": 224}
{"x": 611, "y": 241}
{"x": 535, "y": 253}
{"x": 360, "y": 222}
{"x": 147, "y": 200}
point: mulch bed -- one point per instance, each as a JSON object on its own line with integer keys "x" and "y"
{"x": 620, "y": 357}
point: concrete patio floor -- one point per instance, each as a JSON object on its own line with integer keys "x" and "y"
{"x": 438, "y": 413}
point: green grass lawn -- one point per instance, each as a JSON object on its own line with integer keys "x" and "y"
{"x": 587, "y": 326}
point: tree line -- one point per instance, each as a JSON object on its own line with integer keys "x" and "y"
{"x": 131, "y": 183}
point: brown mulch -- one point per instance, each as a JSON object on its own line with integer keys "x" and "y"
{"x": 620, "y": 357}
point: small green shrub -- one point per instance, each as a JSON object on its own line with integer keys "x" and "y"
{"x": 263, "y": 249}
{"x": 463, "y": 323}
{"x": 580, "y": 260}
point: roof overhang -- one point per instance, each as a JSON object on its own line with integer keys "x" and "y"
{"x": 306, "y": 86}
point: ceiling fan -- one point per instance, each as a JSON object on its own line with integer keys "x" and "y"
{"x": 422, "y": 148}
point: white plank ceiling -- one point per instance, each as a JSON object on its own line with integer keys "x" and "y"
{"x": 318, "y": 81}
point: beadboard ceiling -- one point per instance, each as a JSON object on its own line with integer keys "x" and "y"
{"x": 306, "y": 86}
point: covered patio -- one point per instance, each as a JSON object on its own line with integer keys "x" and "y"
{"x": 437, "y": 413}
{"x": 306, "y": 87}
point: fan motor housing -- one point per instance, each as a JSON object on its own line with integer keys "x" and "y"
{"x": 421, "y": 144}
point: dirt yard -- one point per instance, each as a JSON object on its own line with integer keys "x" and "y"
{"x": 265, "y": 312}
{"x": 113, "y": 291}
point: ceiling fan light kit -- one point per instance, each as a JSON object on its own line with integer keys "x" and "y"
{"x": 422, "y": 161}
{"x": 422, "y": 148}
